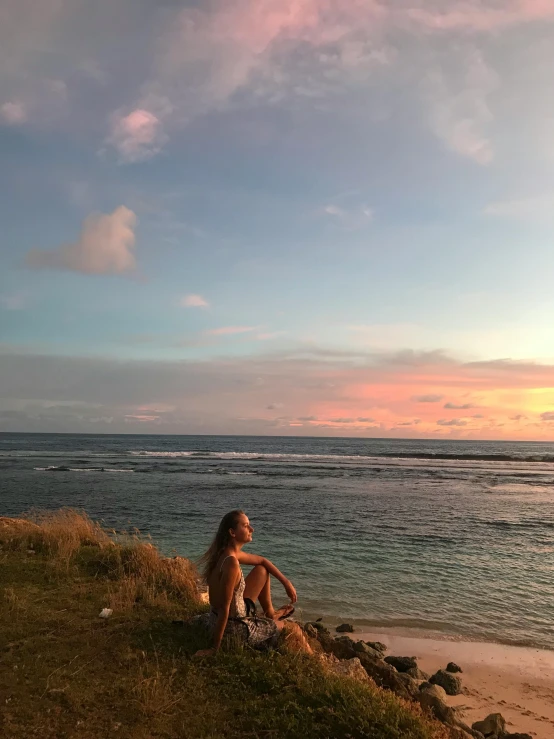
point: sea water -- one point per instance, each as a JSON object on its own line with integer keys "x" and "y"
{"x": 444, "y": 537}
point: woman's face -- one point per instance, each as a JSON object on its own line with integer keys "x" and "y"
{"x": 243, "y": 531}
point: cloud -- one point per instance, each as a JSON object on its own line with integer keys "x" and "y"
{"x": 226, "y": 395}
{"x": 137, "y": 136}
{"x": 547, "y": 416}
{"x": 480, "y": 15}
{"x": 533, "y": 207}
{"x": 194, "y": 301}
{"x": 333, "y": 210}
{"x": 15, "y": 301}
{"x": 453, "y": 406}
{"x": 105, "y": 246}
{"x": 427, "y": 398}
{"x": 274, "y": 406}
{"x": 519, "y": 417}
{"x": 459, "y": 107}
{"x": 269, "y": 335}
{"x": 478, "y": 415}
{"x": 230, "y": 330}
{"x": 14, "y": 113}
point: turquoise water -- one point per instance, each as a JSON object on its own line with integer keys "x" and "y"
{"x": 454, "y": 537}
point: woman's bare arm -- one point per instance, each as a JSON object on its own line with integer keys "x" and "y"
{"x": 229, "y": 576}
{"x": 255, "y": 559}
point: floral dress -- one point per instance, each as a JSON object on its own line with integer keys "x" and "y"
{"x": 257, "y": 631}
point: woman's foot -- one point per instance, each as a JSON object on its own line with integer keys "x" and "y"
{"x": 282, "y": 613}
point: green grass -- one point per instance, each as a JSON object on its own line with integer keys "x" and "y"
{"x": 65, "y": 672}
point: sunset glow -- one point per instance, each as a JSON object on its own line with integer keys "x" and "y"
{"x": 278, "y": 217}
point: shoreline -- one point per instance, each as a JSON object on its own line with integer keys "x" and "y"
{"x": 517, "y": 682}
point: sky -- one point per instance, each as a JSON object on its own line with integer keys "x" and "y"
{"x": 284, "y": 217}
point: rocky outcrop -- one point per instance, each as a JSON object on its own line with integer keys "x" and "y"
{"x": 345, "y": 629}
{"x": 453, "y": 667}
{"x": 492, "y": 727}
{"x": 417, "y": 674}
{"x": 362, "y": 646}
{"x": 384, "y": 675}
{"x": 378, "y": 646}
{"x": 401, "y": 675}
{"x": 433, "y": 697}
{"x": 402, "y": 664}
{"x": 448, "y": 681}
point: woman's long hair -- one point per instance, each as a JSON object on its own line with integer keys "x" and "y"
{"x": 209, "y": 559}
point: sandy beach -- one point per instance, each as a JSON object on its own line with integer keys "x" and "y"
{"x": 517, "y": 682}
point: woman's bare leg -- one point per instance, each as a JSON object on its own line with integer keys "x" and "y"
{"x": 258, "y": 587}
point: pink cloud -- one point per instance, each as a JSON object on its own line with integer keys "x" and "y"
{"x": 230, "y": 330}
{"x": 137, "y": 136}
{"x": 14, "y": 113}
{"x": 105, "y": 246}
{"x": 194, "y": 301}
{"x": 481, "y": 15}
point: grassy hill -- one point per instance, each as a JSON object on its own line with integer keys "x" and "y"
{"x": 66, "y": 672}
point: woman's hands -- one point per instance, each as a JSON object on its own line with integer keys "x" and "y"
{"x": 290, "y": 590}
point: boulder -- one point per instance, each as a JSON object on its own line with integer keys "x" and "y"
{"x": 310, "y": 631}
{"x": 517, "y": 735}
{"x": 402, "y": 664}
{"x": 362, "y": 646}
{"x": 417, "y": 674}
{"x": 448, "y": 681}
{"x": 345, "y": 629}
{"x": 492, "y": 727}
{"x": 453, "y": 667}
{"x": 349, "y": 668}
{"x": 384, "y": 675}
{"x": 433, "y": 699}
{"x": 343, "y": 647}
{"x": 410, "y": 684}
{"x": 319, "y": 627}
{"x": 378, "y": 646}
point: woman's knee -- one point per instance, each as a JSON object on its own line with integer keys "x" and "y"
{"x": 261, "y": 572}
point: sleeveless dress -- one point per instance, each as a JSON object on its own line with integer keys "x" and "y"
{"x": 257, "y": 631}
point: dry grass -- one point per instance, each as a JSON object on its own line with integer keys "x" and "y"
{"x": 68, "y": 673}
{"x": 140, "y": 574}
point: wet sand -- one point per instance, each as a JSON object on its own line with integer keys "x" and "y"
{"x": 517, "y": 682}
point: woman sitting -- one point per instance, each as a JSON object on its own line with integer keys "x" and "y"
{"x": 231, "y": 593}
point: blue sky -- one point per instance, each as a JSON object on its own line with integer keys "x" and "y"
{"x": 307, "y": 188}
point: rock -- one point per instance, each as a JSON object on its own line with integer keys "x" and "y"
{"x": 378, "y": 646}
{"x": 453, "y": 667}
{"x": 402, "y": 664}
{"x": 448, "y": 681}
{"x": 435, "y": 690}
{"x": 492, "y": 727}
{"x": 517, "y": 735}
{"x": 319, "y": 627}
{"x": 362, "y": 646}
{"x": 343, "y": 647}
{"x": 433, "y": 698}
{"x": 410, "y": 684}
{"x": 417, "y": 674}
{"x": 345, "y": 629}
{"x": 384, "y": 675}
{"x": 349, "y": 668}
{"x": 310, "y": 631}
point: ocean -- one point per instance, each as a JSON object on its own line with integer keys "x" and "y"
{"x": 442, "y": 538}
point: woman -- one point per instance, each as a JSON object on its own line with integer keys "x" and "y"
{"x": 229, "y": 589}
